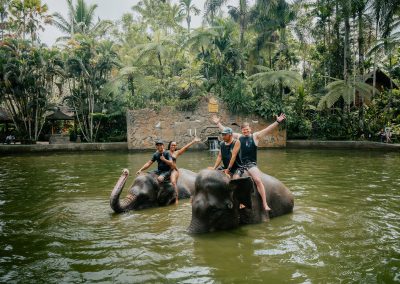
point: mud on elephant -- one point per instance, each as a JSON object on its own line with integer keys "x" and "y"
{"x": 146, "y": 192}
{"x": 217, "y": 199}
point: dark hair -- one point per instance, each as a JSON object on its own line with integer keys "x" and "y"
{"x": 169, "y": 144}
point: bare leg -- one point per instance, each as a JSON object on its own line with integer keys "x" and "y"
{"x": 174, "y": 180}
{"x": 255, "y": 173}
{"x": 236, "y": 176}
{"x": 160, "y": 179}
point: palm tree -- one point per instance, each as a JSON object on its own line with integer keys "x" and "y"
{"x": 159, "y": 15}
{"x": 346, "y": 90}
{"x": 27, "y": 17}
{"x": 283, "y": 15}
{"x": 201, "y": 41}
{"x": 384, "y": 12}
{"x": 80, "y": 20}
{"x": 160, "y": 46}
{"x": 27, "y": 80}
{"x": 346, "y": 9}
{"x": 186, "y": 8}
{"x": 88, "y": 69}
{"x": 283, "y": 78}
{"x": 387, "y": 45}
{"x": 240, "y": 14}
{"x": 360, "y": 8}
{"x": 211, "y": 8}
{"x": 3, "y": 15}
{"x": 271, "y": 19}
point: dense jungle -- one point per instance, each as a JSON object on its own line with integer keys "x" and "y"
{"x": 333, "y": 66}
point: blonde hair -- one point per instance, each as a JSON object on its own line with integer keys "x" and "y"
{"x": 245, "y": 124}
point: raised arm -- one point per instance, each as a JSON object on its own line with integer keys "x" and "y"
{"x": 145, "y": 167}
{"x": 217, "y": 121}
{"x": 184, "y": 148}
{"x": 235, "y": 151}
{"x": 270, "y": 128}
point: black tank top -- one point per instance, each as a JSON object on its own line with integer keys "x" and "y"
{"x": 248, "y": 149}
{"x": 226, "y": 153}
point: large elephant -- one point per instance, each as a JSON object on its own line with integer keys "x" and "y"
{"x": 147, "y": 192}
{"x": 217, "y": 200}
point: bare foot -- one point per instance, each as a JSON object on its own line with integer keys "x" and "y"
{"x": 267, "y": 208}
{"x": 176, "y": 201}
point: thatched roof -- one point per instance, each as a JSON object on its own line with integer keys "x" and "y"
{"x": 4, "y": 116}
{"x": 59, "y": 115}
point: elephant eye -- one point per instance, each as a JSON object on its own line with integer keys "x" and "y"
{"x": 212, "y": 209}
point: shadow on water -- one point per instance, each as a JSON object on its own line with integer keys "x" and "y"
{"x": 56, "y": 224}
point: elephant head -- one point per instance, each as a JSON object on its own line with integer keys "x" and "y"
{"x": 147, "y": 192}
{"x": 217, "y": 201}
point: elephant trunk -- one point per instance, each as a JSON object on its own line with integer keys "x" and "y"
{"x": 197, "y": 226}
{"x": 124, "y": 205}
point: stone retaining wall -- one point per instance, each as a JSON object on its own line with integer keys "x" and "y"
{"x": 70, "y": 147}
{"x": 313, "y": 144}
{"x": 146, "y": 126}
{"x": 122, "y": 146}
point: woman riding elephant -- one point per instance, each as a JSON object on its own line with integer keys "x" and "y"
{"x": 175, "y": 154}
{"x": 147, "y": 192}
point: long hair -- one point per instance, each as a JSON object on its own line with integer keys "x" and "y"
{"x": 169, "y": 145}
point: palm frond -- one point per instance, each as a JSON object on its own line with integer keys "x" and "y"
{"x": 346, "y": 90}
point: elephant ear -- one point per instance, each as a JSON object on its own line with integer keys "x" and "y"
{"x": 242, "y": 189}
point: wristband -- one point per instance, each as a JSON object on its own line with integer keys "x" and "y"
{"x": 277, "y": 122}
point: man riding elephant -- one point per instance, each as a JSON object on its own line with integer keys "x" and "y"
{"x": 154, "y": 188}
{"x": 248, "y": 149}
{"x": 164, "y": 161}
{"x": 217, "y": 199}
{"x": 147, "y": 192}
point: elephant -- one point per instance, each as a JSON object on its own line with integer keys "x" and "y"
{"x": 146, "y": 192}
{"x": 217, "y": 201}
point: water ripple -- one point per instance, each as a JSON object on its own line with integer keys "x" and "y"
{"x": 56, "y": 224}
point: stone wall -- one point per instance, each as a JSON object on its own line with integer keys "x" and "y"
{"x": 145, "y": 126}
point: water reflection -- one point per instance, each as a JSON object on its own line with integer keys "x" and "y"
{"x": 56, "y": 224}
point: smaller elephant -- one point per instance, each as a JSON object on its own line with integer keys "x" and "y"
{"x": 146, "y": 192}
{"x": 217, "y": 201}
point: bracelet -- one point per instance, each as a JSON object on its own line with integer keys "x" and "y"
{"x": 277, "y": 122}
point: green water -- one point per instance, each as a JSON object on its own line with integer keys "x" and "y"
{"x": 56, "y": 225}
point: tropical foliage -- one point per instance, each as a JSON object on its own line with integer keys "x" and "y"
{"x": 310, "y": 59}
{"x": 29, "y": 76}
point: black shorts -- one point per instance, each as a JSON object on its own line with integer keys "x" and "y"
{"x": 249, "y": 165}
{"x": 236, "y": 171}
{"x": 165, "y": 174}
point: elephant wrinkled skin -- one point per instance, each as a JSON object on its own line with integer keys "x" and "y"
{"x": 146, "y": 192}
{"x": 217, "y": 199}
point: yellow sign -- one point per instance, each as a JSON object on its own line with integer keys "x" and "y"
{"x": 212, "y": 105}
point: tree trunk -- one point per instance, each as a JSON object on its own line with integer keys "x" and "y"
{"x": 361, "y": 41}
{"x": 374, "y": 68}
{"x": 346, "y": 10}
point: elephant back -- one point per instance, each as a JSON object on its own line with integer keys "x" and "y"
{"x": 186, "y": 183}
{"x": 279, "y": 197}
